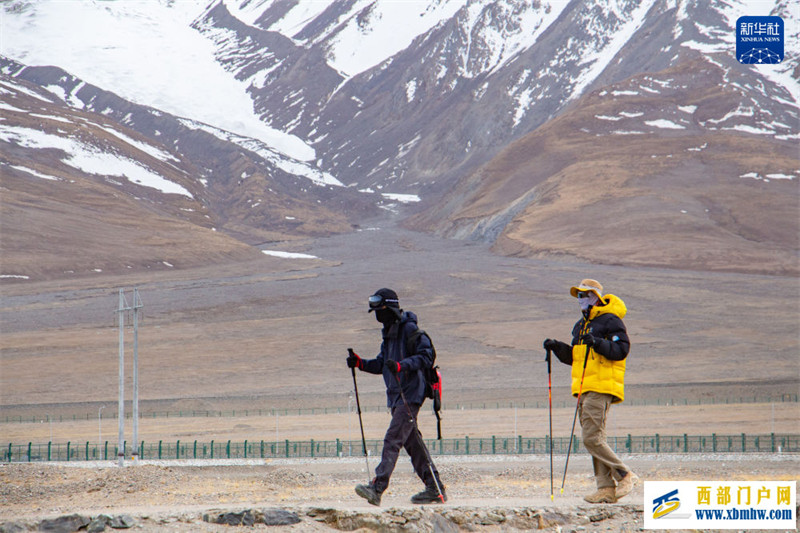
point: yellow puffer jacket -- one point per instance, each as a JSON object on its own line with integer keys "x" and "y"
{"x": 605, "y": 368}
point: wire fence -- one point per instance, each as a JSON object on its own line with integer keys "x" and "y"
{"x": 653, "y": 444}
{"x": 112, "y": 415}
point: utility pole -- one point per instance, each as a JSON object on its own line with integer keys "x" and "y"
{"x": 121, "y": 399}
{"x": 137, "y": 304}
{"x": 122, "y": 310}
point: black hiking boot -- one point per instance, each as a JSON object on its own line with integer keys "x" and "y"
{"x": 369, "y": 493}
{"x": 430, "y": 495}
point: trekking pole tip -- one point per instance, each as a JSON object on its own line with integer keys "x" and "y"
{"x": 552, "y": 497}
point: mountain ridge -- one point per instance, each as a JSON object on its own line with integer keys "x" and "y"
{"x": 434, "y": 124}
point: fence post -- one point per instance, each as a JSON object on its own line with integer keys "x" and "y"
{"x": 466, "y": 444}
{"x": 159, "y": 449}
{"x": 68, "y": 443}
{"x": 685, "y": 443}
{"x": 49, "y": 444}
{"x": 262, "y": 449}
{"x": 29, "y": 452}
{"x": 658, "y": 443}
{"x": 195, "y": 449}
{"x": 714, "y": 442}
{"x": 287, "y": 447}
{"x": 228, "y": 449}
{"x": 87, "y": 450}
{"x": 494, "y": 445}
{"x": 178, "y": 449}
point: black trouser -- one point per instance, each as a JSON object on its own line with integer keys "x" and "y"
{"x": 402, "y": 433}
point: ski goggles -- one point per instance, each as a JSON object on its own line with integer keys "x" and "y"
{"x": 377, "y": 301}
{"x": 582, "y": 294}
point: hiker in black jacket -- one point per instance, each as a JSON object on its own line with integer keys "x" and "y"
{"x": 392, "y": 361}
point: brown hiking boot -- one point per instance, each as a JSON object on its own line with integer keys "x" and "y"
{"x": 626, "y": 484}
{"x": 604, "y": 495}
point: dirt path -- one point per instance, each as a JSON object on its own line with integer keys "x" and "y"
{"x": 488, "y": 494}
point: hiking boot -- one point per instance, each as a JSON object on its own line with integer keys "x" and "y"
{"x": 604, "y": 495}
{"x": 626, "y": 484}
{"x": 369, "y": 493}
{"x": 430, "y": 495}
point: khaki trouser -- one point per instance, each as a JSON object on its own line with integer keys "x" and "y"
{"x": 593, "y": 411}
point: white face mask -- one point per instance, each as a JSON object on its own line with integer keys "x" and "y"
{"x": 586, "y": 303}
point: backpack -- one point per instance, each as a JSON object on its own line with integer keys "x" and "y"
{"x": 433, "y": 378}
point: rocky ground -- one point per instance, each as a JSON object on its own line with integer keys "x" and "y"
{"x": 486, "y": 494}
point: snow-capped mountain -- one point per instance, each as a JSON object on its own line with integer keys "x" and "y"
{"x": 329, "y": 102}
{"x": 470, "y": 77}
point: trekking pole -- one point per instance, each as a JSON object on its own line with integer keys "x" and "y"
{"x": 360, "y": 423}
{"x": 550, "y": 409}
{"x": 577, "y": 404}
{"x": 422, "y": 442}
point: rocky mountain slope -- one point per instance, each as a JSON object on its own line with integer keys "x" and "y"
{"x": 653, "y": 171}
{"x": 490, "y": 72}
{"x": 94, "y": 194}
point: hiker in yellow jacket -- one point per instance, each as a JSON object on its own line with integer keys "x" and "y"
{"x": 600, "y": 334}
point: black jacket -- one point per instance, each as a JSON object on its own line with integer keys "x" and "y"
{"x": 608, "y": 330}
{"x": 393, "y": 348}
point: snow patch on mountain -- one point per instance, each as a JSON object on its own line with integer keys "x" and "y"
{"x": 292, "y": 166}
{"x": 357, "y": 40}
{"x": 146, "y": 52}
{"x": 34, "y": 173}
{"x": 90, "y": 159}
{"x": 600, "y": 57}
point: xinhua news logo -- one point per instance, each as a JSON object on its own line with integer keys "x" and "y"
{"x": 703, "y": 505}
{"x": 759, "y": 40}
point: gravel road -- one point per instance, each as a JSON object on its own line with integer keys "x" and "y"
{"x": 487, "y": 494}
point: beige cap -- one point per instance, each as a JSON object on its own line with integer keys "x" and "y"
{"x": 589, "y": 285}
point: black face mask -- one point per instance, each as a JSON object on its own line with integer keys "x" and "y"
{"x": 385, "y": 316}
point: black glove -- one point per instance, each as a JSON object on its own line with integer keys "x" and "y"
{"x": 550, "y": 344}
{"x": 393, "y": 366}
{"x": 587, "y": 340}
{"x": 353, "y": 361}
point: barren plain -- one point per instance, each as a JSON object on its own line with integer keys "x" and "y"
{"x": 273, "y": 334}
